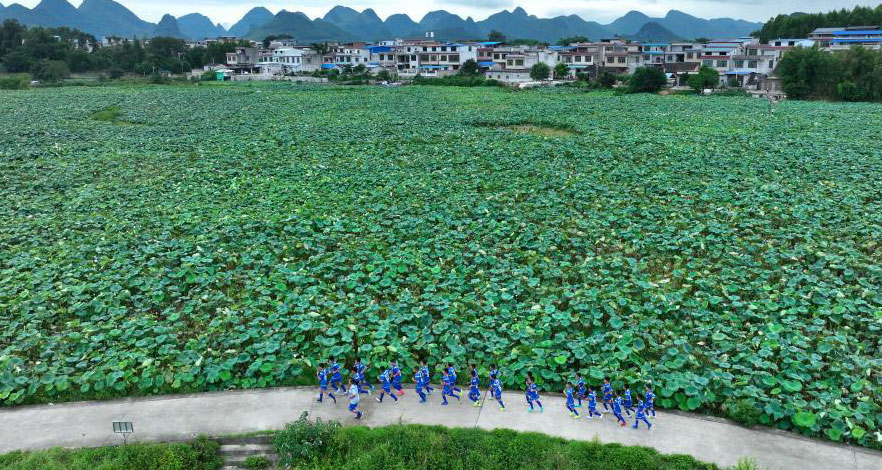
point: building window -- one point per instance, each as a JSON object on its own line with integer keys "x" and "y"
{"x": 722, "y": 63}
{"x": 621, "y": 60}
{"x": 578, "y": 58}
{"x": 752, "y": 64}
{"x": 707, "y": 63}
{"x": 771, "y": 64}
{"x": 739, "y": 64}
{"x": 519, "y": 62}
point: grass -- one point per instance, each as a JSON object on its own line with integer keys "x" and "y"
{"x": 200, "y": 454}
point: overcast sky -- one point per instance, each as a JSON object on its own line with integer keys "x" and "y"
{"x": 604, "y": 11}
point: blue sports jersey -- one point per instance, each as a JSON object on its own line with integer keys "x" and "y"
{"x": 617, "y": 405}
{"x": 650, "y": 397}
{"x": 335, "y": 371}
{"x": 359, "y": 377}
{"x": 360, "y": 368}
{"x": 581, "y": 386}
{"x": 323, "y": 377}
{"x": 475, "y": 383}
{"x": 446, "y": 381}
{"x": 353, "y": 395}
{"x": 384, "y": 377}
{"x": 496, "y": 386}
{"x": 495, "y": 372}
{"x": 418, "y": 378}
{"x": 640, "y": 414}
{"x": 426, "y": 374}
{"x": 607, "y": 391}
{"x": 569, "y": 393}
{"x": 533, "y": 390}
{"x": 628, "y": 401}
{"x": 592, "y": 399}
{"x": 396, "y": 375}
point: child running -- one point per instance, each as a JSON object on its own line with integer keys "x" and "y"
{"x": 427, "y": 376}
{"x": 650, "y": 401}
{"x": 336, "y": 378}
{"x": 322, "y": 375}
{"x": 571, "y": 401}
{"x": 448, "y": 388}
{"x": 627, "y": 403}
{"x": 496, "y": 391}
{"x": 617, "y": 409}
{"x": 419, "y": 381}
{"x": 474, "y": 387}
{"x": 580, "y": 389}
{"x": 533, "y": 393}
{"x": 354, "y": 393}
{"x": 641, "y": 416}
{"x": 360, "y": 369}
{"x": 385, "y": 380}
{"x": 592, "y": 404}
{"x": 452, "y": 372}
{"x": 396, "y": 378}
{"x": 607, "y": 395}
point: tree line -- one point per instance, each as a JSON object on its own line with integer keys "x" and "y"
{"x": 851, "y": 75}
{"x": 53, "y": 53}
{"x": 800, "y": 25}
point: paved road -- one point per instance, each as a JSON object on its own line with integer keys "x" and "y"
{"x": 184, "y": 416}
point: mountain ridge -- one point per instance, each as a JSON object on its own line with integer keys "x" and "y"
{"x": 108, "y": 17}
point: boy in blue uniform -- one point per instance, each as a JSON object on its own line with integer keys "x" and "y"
{"x": 386, "y": 381}
{"x": 496, "y": 391}
{"x": 353, "y": 398}
{"x": 451, "y": 371}
{"x": 607, "y": 395}
{"x": 419, "y": 381}
{"x": 427, "y": 377}
{"x": 448, "y": 388}
{"x": 322, "y": 375}
{"x": 533, "y": 393}
{"x": 592, "y": 404}
{"x": 628, "y": 403}
{"x": 571, "y": 401}
{"x": 617, "y": 409}
{"x": 650, "y": 401}
{"x": 336, "y": 378}
{"x": 580, "y": 389}
{"x": 474, "y": 387}
{"x": 641, "y": 416}
{"x": 359, "y": 369}
{"x": 396, "y": 378}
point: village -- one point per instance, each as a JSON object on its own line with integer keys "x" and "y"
{"x": 741, "y": 62}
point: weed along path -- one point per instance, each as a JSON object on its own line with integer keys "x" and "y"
{"x": 185, "y": 416}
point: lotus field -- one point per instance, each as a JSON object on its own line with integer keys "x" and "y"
{"x": 216, "y": 237}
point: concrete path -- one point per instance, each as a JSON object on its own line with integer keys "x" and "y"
{"x": 185, "y": 416}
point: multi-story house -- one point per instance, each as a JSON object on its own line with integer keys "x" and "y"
{"x": 431, "y": 58}
{"x": 286, "y": 60}
{"x": 869, "y": 37}
{"x": 243, "y": 60}
{"x": 512, "y": 64}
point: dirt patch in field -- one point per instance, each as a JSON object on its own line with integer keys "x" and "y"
{"x": 544, "y": 131}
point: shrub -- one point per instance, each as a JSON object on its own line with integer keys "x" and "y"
{"x": 606, "y": 80}
{"x": 50, "y": 71}
{"x": 540, "y": 71}
{"x": 303, "y": 441}
{"x": 744, "y": 411}
{"x": 647, "y": 80}
{"x": 14, "y": 82}
{"x": 706, "y": 77}
{"x": 199, "y": 455}
{"x": 209, "y": 76}
{"x": 256, "y": 462}
{"x": 115, "y": 73}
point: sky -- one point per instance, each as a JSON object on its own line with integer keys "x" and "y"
{"x": 228, "y": 12}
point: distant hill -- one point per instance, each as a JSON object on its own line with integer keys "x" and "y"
{"x": 107, "y": 17}
{"x": 301, "y": 28}
{"x": 654, "y": 32}
{"x": 198, "y": 26}
{"x": 365, "y": 25}
{"x": 255, "y": 18}
{"x": 168, "y": 27}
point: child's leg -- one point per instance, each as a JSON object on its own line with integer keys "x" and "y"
{"x": 501, "y": 404}
{"x": 530, "y": 403}
{"x": 539, "y": 403}
{"x": 422, "y": 395}
{"x": 580, "y": 399}
{"x": 652, "y": 408}
{"x": 605, "y": 406}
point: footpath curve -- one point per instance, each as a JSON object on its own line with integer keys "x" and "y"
{"x": 175, "y": 417}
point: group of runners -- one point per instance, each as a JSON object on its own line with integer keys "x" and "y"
{"x": 330, "y": 376}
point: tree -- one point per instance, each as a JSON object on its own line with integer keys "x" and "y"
{"x": 571, "y": 40}
{"x": 468, "y": 68}
{"x": 495, "y": 36}
{"x": 540, "y": 71}
{"x": 561, "y": 70}
{"x": 702, "y": 40}
{"x": 50, "y": 71}
{"x": 647, "y": 80}
{"x": 320, "y": 48}
{"x": 384, "y": 75}
{"x": 267, "y": 40}
{"x": 606, "y": 80}
{"x": 706, "y": 77}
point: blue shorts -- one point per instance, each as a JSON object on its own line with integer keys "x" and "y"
{"x": 324, "y": 387}
{"x": 387, "y": 389}
{"x": 353, "y": 406}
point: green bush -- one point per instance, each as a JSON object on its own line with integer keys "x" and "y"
{"x": 50, "y": 71}
{"x": 209, "y": 76}
{"x": 706, "y": 77}
{"x": 256, "y": 462}
{"x": 745, "y": 412}
{"x": 304, "y": 441}
{"x": 438, "y": 448}
{"x": 647, "y": 80}
{"x": 455, "y": 80}
{"x": 198, "y": 455}
{"x": 14, "y": 82}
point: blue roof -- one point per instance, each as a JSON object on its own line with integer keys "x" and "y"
{"x": 739, "y": 72}
{"x": 375, "y": 49}
{"x": 654, "y": 52}
{"x": 431, "y": 66}
{"x": 858, "y": 40}
{"x": 654, "y": 44}
{"x": 561, "y": 48}
{"x": 328, "y": 66}
{"x": 489, "y": 43}
{"x": 858, "y": 32}
{"x": 485, "y": 64}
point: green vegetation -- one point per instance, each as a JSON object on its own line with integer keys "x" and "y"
{"x": 540, "y": 71}
{"x": 256, "y": 462}
{"x": 456, "y": 80}
{"x": 647, "y": 80}
{"x": 241, "y": 232}
{"x": 706, "y": 78}
{"x": 852, "y": 75}
{"x": 799, "y": 26}
{"x": 436, "y": 447}
{"x": 14, "y": 82}
{"x": 197, "y": 455}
